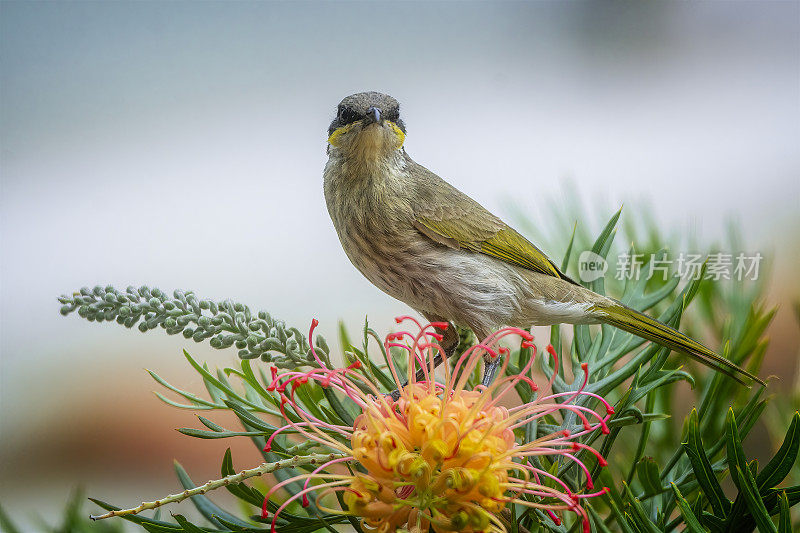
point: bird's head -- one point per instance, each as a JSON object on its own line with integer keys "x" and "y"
{"x": 367, "y": 126}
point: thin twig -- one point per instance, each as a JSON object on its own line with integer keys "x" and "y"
{"x": 264, "y": 468}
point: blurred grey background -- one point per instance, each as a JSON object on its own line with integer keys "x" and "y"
{"x": 181, "y": 145}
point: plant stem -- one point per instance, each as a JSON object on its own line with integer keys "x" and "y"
{"x": 264, "y": 468}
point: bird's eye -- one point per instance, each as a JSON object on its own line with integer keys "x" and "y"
{"x": 393, "y": 115}
{"x": 347, "y": 115}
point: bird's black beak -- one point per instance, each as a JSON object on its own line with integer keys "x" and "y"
{"x": 373, "y": 115}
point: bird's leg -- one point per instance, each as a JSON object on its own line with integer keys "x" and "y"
{"x": 490, "y": 367}
{"x": 490, "y": 364}
{"x": 449, "y": 343}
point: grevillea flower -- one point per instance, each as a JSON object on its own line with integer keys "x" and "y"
{"x": 442, "y": 456}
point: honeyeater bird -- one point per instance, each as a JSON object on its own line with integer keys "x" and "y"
{"x": 424, "y": 242}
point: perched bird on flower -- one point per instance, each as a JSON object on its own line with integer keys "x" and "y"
{"x": 442, "y": 456}
{"x": 424, "y": 242}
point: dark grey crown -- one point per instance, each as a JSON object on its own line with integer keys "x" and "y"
{"x": 355, "y": 106}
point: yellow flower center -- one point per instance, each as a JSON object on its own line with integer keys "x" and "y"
{"x": 431, "y": 459}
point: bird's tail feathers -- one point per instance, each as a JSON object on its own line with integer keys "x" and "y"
{"x": 649, "y": 328}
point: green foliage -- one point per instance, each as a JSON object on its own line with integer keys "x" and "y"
{"x": 759, "y": 497}
{"x": 74, "y": 519}
{"x": 662, "y": 476}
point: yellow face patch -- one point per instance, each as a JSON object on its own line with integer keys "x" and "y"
{"x": 335, "y": 138}
{"x": 338, "y": 132}
{"x": 401, "y": 137}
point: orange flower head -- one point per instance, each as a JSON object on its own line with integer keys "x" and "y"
{"x": 443, "y": 456}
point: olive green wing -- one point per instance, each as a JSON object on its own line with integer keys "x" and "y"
{"x": 491, "y": 237}
{"x": 448, "y": 216}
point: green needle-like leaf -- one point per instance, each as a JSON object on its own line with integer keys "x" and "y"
{"x": 749, "y": 490}
{"x": 638, "y": 514}
{"x": 648, "y": 473}
{"x": 781, "y": 463}
{"x": 785, "y": 520}
{"x": 702, "y": 468}
{"x": 692, "y": 522}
